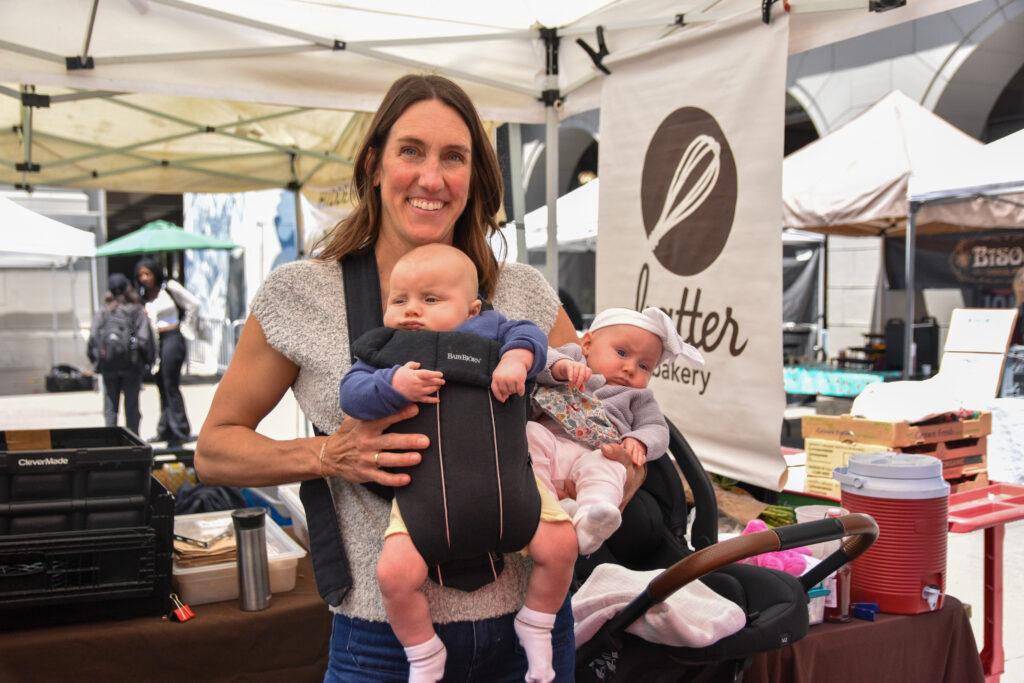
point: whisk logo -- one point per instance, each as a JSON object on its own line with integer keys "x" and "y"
{"x": 688, "y": 191}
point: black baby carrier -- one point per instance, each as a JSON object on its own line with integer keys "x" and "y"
{"x": 330, "y": 561}
{"x": 474, "y": 494}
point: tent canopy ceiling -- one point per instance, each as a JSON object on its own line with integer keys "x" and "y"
{"x": 273, "y": 80}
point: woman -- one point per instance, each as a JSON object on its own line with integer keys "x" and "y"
{"x": 121, "y": 347}
{"x": 425, "y": 173}
{"x": 174, "y": 312}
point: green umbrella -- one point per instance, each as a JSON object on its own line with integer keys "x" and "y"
{"x": 161, "y": 236}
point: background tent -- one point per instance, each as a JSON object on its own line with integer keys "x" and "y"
{"x": 986, "y": 185}
{"x": 28, "y": 239}
{"x": 856, "y": 180}
{"x": 157, "y": 236}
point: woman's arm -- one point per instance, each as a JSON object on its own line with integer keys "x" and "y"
{"x": 231, "y": 452}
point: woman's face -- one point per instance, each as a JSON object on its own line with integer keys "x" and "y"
{"x": 424, "y": 173}
{"x": 146, "y": 278}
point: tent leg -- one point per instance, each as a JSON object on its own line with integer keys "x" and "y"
{"x": 300, "y": 229}
{"x": 515, "y": 172}
{"x": 551, "y": 194}
{"x": 53, "y": 288}
{"x": 908, "y": 316}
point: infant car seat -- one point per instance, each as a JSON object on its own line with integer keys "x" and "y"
{"x": 653, "y": 536}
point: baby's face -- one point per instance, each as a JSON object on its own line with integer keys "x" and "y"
{"x": 626, "y": 355}
{"x": 429, "y": 296}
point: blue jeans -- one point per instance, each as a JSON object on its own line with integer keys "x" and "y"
{"x": 486, "y": 650}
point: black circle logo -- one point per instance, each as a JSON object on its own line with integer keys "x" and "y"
{"x": 688, "y": 191}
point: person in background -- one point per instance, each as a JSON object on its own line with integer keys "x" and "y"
{"x": 425, "y": 172}
{"x": 174, "y": 313}
{"x": 121, "y": 347}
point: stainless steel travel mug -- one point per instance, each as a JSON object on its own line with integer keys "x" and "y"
{"x": 253, "y": 571}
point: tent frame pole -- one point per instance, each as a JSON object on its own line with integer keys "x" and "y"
{"x": 908, "y": 268}
{"x": 552, "y": 103}
{"x": 515, "y": 172}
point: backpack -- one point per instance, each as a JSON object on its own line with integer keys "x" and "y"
{"x": 118, "y": 346}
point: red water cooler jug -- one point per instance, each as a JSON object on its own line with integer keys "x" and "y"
{"x": 905, "y": 570}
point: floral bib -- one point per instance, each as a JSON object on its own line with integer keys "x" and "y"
{"x": 581, "y": 416}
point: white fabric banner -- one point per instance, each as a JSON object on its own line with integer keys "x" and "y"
{"x": 690, "y": 222}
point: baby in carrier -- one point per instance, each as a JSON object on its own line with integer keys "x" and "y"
{"x": 596, "y": 392}
{"x": 435, "y": 288}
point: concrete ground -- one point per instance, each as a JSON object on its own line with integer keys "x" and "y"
{"x": 964, "y": 574}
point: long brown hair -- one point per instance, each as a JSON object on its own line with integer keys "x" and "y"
{"x": 359, "y": 230}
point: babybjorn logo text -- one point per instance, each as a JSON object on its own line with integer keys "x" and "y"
{"x": 465, "y": 357}
{"x": 25, "y": 462}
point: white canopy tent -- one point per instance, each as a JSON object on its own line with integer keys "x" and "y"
{"x": 860, "y": 180}
{"x": 31, "y": 240}
{"x": 978, "y": 178}
{"x": 284, "y": 56}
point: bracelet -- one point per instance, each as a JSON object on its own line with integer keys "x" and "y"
{"x": 323, "y": 450}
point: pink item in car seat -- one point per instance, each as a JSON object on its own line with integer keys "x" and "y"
{"x": 790, "y": 561}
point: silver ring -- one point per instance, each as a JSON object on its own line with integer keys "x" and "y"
{"x": 376, "y": 459}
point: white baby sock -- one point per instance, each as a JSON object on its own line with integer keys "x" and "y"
{"x": 534, "y": 631}
{"x": 569, "y": 505}
{"x": 594, "y": 524}
{"x": 426, "y": 661}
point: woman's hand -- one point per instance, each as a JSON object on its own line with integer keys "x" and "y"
{"x": 359, "y": 450}
{"x": 634, "y": 475}
{"x": 636, "y": 449}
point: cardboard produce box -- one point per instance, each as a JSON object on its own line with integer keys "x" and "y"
{"x": 892, "y": 434}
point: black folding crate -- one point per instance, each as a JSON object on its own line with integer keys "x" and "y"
{"x": 75, "y": 576}
{"x": 80, "y": 479}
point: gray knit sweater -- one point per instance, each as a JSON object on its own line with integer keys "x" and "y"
{"x": 301, "y": 307}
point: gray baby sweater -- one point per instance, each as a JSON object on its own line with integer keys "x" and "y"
{"x": 301, "y": 308}
{"x": 634, "y": 412}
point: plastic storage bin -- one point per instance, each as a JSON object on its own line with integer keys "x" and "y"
{"x": 58, "y": 480}
{"x": 269, "y": 498}
{"x": 75, "y": 576}
{"x": 217, "y": 582}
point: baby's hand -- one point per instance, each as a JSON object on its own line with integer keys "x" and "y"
{"x": 510, "y": 375}
{"x": 636, "y": 449}
{"x": 576, "y": 374}
{"x": 419, "y": 386}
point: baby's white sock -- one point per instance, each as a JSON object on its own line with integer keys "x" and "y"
{"x": 534, "y": 631}
{"x": 426, "y": 661}
{"x": 594, "y": 524}
{"x": 569, "y": 505}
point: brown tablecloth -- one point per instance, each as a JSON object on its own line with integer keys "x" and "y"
{"x": 285, "y": 643}
{"x": 288, "y": 642}
{"x": 937, "y": 647}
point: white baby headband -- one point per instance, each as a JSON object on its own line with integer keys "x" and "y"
{"x": 653, "y": 320}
